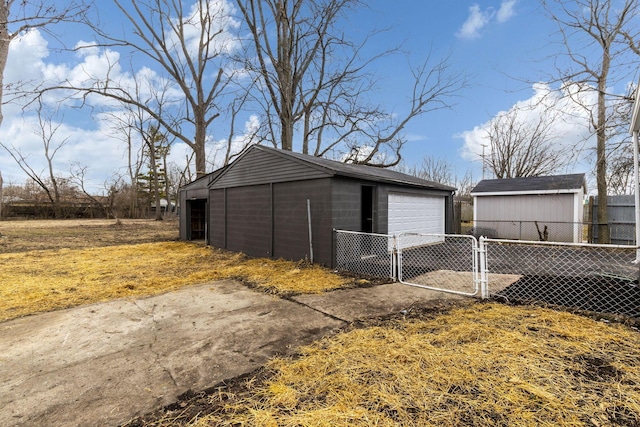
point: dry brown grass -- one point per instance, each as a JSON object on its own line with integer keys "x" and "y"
{"x": 483, "y": 365}
{"x": 21, "y": 236}
{"x": 43, "y": 280}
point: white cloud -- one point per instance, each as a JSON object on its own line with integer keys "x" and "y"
{"x": 475, "y": 22}
{"x": 82, "y": 47}
{"x": 478, "y": 18}
{"x": 222, "y": 26}
{"x": 24, "y": 67}
{"x": 570, "y": 127}
{"x": 506, "y": 11}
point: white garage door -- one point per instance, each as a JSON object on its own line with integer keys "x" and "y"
{"x": 410, "y": 213}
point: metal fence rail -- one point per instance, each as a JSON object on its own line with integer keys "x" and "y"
{"x": 439, "y": 262}
{"x": 595, "y": 278}
{"x": 367, "y": 254}
{"x": 621, "y": 233}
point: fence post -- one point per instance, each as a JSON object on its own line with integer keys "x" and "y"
{"x": 482, "y": 266}
{"x": 394, "y": 258}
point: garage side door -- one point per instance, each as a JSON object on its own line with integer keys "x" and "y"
{"x": 411, "y": 213}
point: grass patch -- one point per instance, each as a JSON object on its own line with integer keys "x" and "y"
{"x": 22, "y": 236}
{"x": 46, "y": 280}
{"x": 480, "y": 365}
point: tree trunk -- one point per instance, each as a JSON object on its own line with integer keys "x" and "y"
{"x": 166, "y": 182}
{"x": 287, "y": 135}
{"x": 601, "y": 157}
{"x": 154, "y": 171}
{"x": 1, "y": 198}
{"x": 199, "y": 147}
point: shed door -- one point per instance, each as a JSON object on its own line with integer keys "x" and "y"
{"x": 411, "y": 213}
{"x": 198, "y": 219}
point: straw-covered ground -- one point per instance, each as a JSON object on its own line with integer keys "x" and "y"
{"x": 469, "y": 364}
{"x": 454, "y": 364}
{"x": 62, "y": 264}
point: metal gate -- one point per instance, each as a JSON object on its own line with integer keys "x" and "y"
{"x": 441, "y": 262}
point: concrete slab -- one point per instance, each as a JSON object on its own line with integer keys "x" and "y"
{"x": 353, "y": 304}
{"x": 104, "y": 364}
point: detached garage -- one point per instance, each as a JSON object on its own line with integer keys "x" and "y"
{"x": 535, "y": 208}
{"x": 275, "y": 203}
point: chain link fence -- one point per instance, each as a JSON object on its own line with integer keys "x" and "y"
{"x": 439, "y": 262}
{"x": 594, "y": 278}
{"x": 366, "y": 254}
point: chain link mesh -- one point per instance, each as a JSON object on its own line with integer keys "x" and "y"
{"x": 600, "y": 279}
{"x": 440, "y": 262}
{"x": 365, "y": 253}
{"x": 594, "y": 278}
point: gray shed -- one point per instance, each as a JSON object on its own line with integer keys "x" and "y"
{"x": 530, "y": 208}
{"x": 259, "y": 204}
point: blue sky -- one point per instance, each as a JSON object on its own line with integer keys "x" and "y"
{"x": 502, "y": 45}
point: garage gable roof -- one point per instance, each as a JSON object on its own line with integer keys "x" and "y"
{"x": 323, "y": 167}
{"x": 203, "y": 181}
{"x": 370, "y": 173}
{"x": 532, "y": 185}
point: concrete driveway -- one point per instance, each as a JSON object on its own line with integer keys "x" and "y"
{"x": 103, "y": 364}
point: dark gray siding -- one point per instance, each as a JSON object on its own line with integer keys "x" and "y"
{"x": 183, "y": 220}
{"x": 248, "y": 220}
{"x": 217, "y": 224}
{"x": 345, "y": 203}
{"x": 260, "y": 167}
{"x": 290, "y": 223}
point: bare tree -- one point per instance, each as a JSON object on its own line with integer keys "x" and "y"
{"x": 437, "y": 170}
{"x": 313, "y": 80}
{"x": 46, "y": 130}
{"x": 465, "y": 184}
{"x": 442, "y": 171}
{"x": 145, "y": 142}
{"x": 521, "y": 145}
{"x": 190, "y": 48}
{"x": 234, "y": 145}
{"x": 157, "y": 146}
{"x": 597, "y": 38}
{"x": 125, "y": 128}
{"x": 77, "y": 177}
{"x": 16, "y": 17}
{"x": 21, "y": 16}
{"x": 620, "y": 171}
